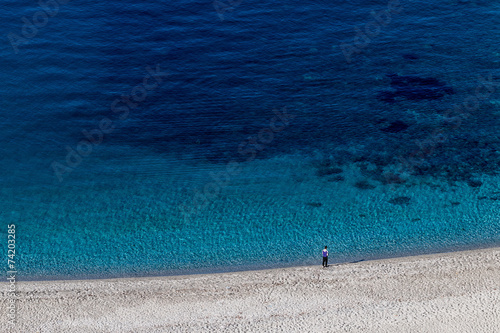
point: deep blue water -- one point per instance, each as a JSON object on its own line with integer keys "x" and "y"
{"x": 203, "y": 171}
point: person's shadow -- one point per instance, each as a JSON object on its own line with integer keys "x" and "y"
{"x": 354, "y": 262}
{"x": 350, "y": 262}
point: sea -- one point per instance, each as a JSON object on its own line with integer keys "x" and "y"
{"x": 154, "y": 138}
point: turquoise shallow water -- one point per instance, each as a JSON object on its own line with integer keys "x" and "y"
{"x": 369, "y": 160}
{"x": 132, "y": 226}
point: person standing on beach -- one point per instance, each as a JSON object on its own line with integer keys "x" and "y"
{"x": 325, "y": 257}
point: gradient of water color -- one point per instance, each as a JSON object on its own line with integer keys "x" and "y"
{"x": 343, "y": 172}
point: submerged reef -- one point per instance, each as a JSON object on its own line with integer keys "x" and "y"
{"x": 364, "y": 185}
{"x": 396, "y": 127}
{"x": 327, "y": 168}
{"x": 314, "y": 204}
{"x": 414, "y": 88}
{"x": 400, "y": 201}
{"x": 410, "y": 56}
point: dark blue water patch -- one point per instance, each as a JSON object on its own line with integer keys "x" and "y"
{"x": 410, "y": 56}
{"x": 414, "y": 88}
{"x": 396, "y": 127}
{"x": 220, "y": 74}
{"x": 215, "y": 80}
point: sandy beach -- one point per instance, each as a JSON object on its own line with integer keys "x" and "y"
{"x": 450, "y": 292}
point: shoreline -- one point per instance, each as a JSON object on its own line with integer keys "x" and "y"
{"x": 253, "y": 268}
{"x": 449, "y": 292}
{"x": 285, "y": 227}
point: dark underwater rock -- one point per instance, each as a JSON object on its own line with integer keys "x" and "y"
{"x": 410, "y": 56}
{"x": 474, "y": 183}
{"x": 364, "y": 185}
{"x": 327, "y": 167}
{"x": 387, "y": 96}
{"x": 328, "y": 171}
{"x": 396, "y": 127}
{"x": 337, "y": 178}
{"x": 400, "y": 201}
{"x": 414, "y": 88}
